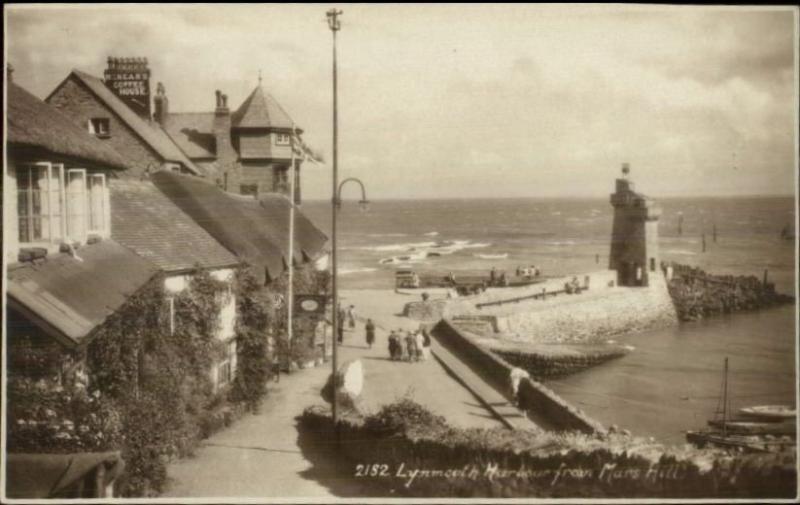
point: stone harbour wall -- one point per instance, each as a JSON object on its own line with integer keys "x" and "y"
{"x": 586, "y": 318}
{"x": 534, "y": 398}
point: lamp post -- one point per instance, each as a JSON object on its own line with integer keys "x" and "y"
{"x": 334, "y": 25}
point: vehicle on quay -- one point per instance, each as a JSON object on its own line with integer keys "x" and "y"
{"x": 406, "y": 279}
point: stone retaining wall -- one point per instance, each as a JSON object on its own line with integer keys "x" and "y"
{"x": 534, "y": 397}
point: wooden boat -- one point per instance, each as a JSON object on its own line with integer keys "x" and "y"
{"x": 744, "y": 435}
{"x": 769, "y": 412}
{"x": 750, "y": 427}
{"x": 743, "y": 443}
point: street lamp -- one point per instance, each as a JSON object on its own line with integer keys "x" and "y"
{"x": 334, "y": 25}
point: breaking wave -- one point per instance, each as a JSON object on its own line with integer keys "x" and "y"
{"x": 346, "y": 271}
{"x": 492, "y": 256}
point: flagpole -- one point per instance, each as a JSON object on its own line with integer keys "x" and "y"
{"x": 290, "y": 301}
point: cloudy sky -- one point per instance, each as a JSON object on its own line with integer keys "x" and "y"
{"x": 472, "y": 100}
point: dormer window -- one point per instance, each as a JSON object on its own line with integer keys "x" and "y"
{"x": 282, "y": 139}
{"x": 99, "y": 127}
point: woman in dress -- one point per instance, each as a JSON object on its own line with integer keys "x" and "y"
{"x": 370, "y": 329}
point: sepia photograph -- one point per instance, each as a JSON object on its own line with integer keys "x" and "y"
{"x": 399, "y": 253}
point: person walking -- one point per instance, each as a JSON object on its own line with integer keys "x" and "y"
{"x": 516, "y": 376}
{"x": 393, "y": 345}
{"x": 351, "y": 316}
{"x": 419, "y": 342}
{"x": 426, "y": 344}
{"x": 411, "y": 347}
{"x": 370, "y": 329}
{"x": 340, "y": 327}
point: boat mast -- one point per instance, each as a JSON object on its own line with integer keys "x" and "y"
{"x": 725, "y": 401}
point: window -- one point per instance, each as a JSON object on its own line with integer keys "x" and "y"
{"x": 99, "y": 126}
{"x": 40, "y": 202}
{"x": 226, "y": 370}
{"x": 282, "y": 139}
{"x": 56, "y": 205}
{"x": 248, "y": 189}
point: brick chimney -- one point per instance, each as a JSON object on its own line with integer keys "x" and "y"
{"x": 226, "y": 154}
{"x": 161, "y": 105}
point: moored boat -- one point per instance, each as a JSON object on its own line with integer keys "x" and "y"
{"x": 771, "y": 433}
{"x": 749, "y": 426}
{"x": 769, "y": 412}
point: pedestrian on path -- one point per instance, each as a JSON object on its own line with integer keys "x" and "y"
{"x": 411, "y": 347}
{"x": 516, "y": 376}
{"x": 426, "y": 344}
{"x": 351, "y": 316}
{"x": 340, "y": 330}
{"x": 392, "y": 345}
{"x": 419, "y": 343}
{"x": 370, "y": 329}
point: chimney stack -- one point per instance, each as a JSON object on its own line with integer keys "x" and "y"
{"x": 226, "y": 154}
{"x": 161, "y": 104}
{"x": 10, "y": 72}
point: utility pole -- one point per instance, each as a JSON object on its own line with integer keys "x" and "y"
{"x": 334, "y": 25}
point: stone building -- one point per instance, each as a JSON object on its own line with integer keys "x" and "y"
{"x": 81, "y": 238}
{"x": 634, "y": 237}
{"x": 247, "y": 151}
{"x": 140, "y": 141}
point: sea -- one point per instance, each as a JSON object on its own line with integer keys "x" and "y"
{"x": 671, "y": 382}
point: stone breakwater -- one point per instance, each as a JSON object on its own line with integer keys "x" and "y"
{"x": 697, "y": 294}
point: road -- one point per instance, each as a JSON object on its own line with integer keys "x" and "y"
{"x": 265, "y": 455}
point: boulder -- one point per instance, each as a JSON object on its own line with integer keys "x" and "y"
{"x": 349, "y": 380}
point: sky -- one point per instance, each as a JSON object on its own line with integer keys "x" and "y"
{"x": 464, "y": 101}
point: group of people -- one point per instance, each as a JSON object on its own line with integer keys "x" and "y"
{"x": 496, "y": 279}
{"x": 572, "y": 287}
{"x": 411, "y": 347}
{"x": 348, "y": 315}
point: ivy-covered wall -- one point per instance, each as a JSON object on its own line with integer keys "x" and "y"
{"x": 149, "y": 388}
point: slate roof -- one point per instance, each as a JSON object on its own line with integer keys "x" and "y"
{"x": 33, "y": 123}
{"x": 146, "y": 221}
{"x": 193, "y": 132}
{"x": 151, "y": 132}
{"x": 256, "y": 231}
{"x": 74, "y": 296}
{"x": 261, "y": 110}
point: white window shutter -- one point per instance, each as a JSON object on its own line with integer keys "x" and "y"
{"x": 76, "y": 204}
{"x": 55, "y": 196}
{"x": 106, "y": 209}
{"x": 43, "y": 171}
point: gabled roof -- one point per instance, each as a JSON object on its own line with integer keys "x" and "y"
{"x": 193, "y": 132}
{"x": 256, "y": 231}
{"x": 150, "y": 224}
{"x": 71, "y": 296}
{"x": 261, "y": 110}
{"x": 33, "y": 123}
{"x": 149, "y": 131}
